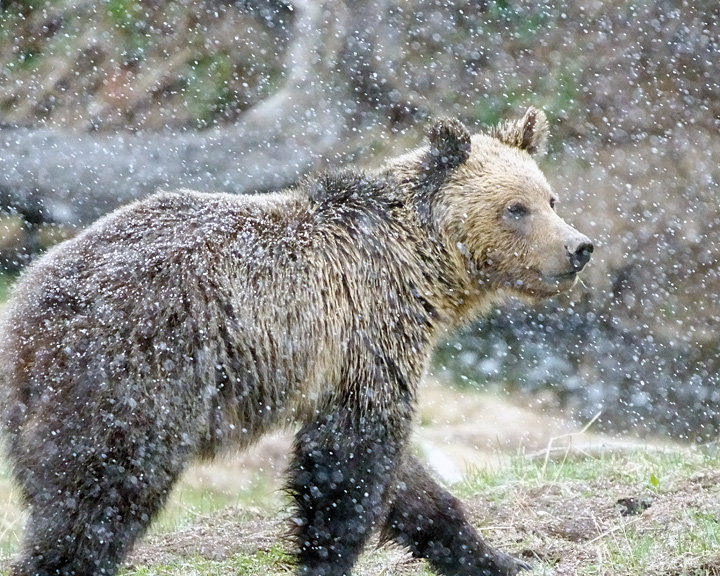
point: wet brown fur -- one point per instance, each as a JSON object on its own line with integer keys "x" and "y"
{"x": 187, "y": 323}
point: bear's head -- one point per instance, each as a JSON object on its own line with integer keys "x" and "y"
{"x": 496, "y": 210}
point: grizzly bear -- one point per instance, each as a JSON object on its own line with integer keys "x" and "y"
{"x": 188, "y": 324}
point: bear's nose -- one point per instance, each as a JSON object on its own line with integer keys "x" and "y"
{"x": 579, "y": 250}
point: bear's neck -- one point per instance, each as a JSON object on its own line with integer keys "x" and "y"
{"x": 449, "y": 280}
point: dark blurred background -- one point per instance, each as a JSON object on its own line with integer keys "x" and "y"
{"x": 103, "y": 101}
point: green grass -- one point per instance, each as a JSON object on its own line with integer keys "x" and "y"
{"x": 263, "y": 562}
{"x": 630, "y": 551}
{"x": 188, "y": 503}
{"x": 208, "y": 84}
{"x": 10, "y": 514}
{"x": 6, "y": 283}
{"x": 678, "y": 534}
{"x": 657, "y": 470}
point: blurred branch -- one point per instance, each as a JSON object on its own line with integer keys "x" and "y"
{"x": 332, "y": 78}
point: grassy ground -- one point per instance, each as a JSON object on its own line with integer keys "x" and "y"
{"x": 623, "y": 512}
{"x": 570, "y": 503}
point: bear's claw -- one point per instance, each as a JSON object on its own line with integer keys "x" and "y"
{"x": 510, "y": 566}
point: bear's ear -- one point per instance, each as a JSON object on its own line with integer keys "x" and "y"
{"x": 530, "y": 133}
{"x": 449, "y": 143}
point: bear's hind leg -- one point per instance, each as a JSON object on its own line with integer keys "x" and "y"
{"x": 85, "y": 525}
{"x": 430, "y": 521}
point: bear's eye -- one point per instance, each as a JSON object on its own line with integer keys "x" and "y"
{"x": 552, "y": 203}
{"x": 517, "y": 210}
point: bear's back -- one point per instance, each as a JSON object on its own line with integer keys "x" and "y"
{"x": 251, "y": 294}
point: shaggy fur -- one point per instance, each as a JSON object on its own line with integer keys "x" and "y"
{"x": 187, "y": 323}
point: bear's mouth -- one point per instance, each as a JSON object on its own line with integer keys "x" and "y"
{"x": 556, "y": 283}
{"x": 547, "y": 284}
{"x": 542, "y": 285}
{"x": 559, "y": 278}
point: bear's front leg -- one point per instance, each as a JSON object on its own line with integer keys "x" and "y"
{"x": 431, "y": 522}
{"x": 344, "y": 465}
